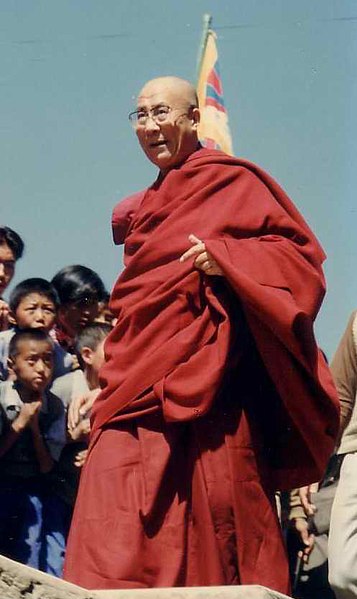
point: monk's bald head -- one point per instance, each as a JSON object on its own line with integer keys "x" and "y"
{"x": 166, "y": 121}
{"x": 180, "y": 88}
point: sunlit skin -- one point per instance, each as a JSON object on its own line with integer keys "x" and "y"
{"x": 78, "y": 416}
{"x": 7, "y": 266}
{"x": 168, "y": 144}
{"x": 93, "y": 361}
{"x": 35, "y": 311}
{"x": 202, "y": 259}
{"x": 32, "y": 366}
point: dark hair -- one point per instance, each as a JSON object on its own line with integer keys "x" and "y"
{"x": 13, "y": 240}
{"x": 28, "y": 335}
{"x": 106, "y": 297}
{"x": 34, "y": 285}
{"x": 76, "y": 282}
{"x": 90, "y": 336}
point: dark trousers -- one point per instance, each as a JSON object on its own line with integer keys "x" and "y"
{"x": 33, "y": 527}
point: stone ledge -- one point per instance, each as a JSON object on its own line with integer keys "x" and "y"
{"x": 21, "y": 582}
{"x": 222, "y": 592}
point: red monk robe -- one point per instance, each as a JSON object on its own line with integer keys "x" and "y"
{"x": 214, "y": 392}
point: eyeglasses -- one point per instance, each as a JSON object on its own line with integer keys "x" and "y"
{"x": 159, "y": 114}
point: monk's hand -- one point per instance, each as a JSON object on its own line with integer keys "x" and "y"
{"x": 80, "y": 407}
{"x": 203, "y": 260}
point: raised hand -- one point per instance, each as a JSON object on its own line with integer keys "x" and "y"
{"x": 203, "y": 260}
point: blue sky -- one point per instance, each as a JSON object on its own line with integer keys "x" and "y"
{"x": 69, "y": 72}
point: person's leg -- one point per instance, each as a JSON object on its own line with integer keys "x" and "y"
{"x": 56, "y": 520}
{"x": 342, "y": 545}
{"x": 10, "y": 519}
{"x": 28, "y": 545}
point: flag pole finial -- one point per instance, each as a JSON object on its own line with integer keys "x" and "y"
{"x": 207, "y": 22}
{"x": 213, "y": 129}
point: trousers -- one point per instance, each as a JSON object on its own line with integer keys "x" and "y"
{"x": 342, "y": 545}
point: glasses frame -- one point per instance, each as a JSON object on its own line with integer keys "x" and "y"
{"x": 150, "y": 114}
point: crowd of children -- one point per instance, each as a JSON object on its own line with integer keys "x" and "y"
{"x": 51, "y": 349}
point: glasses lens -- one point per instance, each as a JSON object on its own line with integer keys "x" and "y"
{"x": 133, "y": 118}
{"x": 160, "y": 113}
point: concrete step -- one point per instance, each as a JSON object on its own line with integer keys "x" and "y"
{"x": 21, "y": 582}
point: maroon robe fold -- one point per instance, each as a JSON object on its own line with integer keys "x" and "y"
{"x": 214, "y": 392}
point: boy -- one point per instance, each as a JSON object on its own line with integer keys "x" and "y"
{"x": 73, "y": 389}
{"x": 80, "y": 290}
{"x": 90, "y": 350}
{"x": 33, "y": 304}
{"x": 32, "y": 435}
{"x": 104, "y": 312}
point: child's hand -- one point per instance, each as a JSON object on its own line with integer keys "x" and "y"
{"x": 75, "y": 363}
{"x": 80, "y": 458}
{"x": 28, "y": 416}
{"x": 81, "y": 431}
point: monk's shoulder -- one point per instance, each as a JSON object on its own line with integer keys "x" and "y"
{"x": 215, "y": 161}
{"x": 123, "y": 214}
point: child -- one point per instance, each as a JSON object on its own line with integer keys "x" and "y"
{"x": 90, "y": 352}
{"x": 104, "y": 312}
{"x": 32, "y": 435}
{"x": 33, "y": 304}
{"x": 80, "y": 290}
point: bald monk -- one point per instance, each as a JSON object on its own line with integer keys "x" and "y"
{"x": 214, "y": 393}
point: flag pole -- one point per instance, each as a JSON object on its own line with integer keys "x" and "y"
{"x": 207, "y": 20}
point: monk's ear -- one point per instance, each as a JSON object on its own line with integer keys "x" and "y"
{"x": 196, "y": 116}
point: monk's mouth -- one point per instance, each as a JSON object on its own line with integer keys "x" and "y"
{"x": 158, "y": 144}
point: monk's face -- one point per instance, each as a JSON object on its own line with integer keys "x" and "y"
{"x": 167, "y": 123}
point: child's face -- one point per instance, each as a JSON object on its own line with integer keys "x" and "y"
{"x": 98, "y": 357}
{"x": 33, "y": 364}
{"x": 104, "y": 314}
{"x": 35, "y": 311}
{"x": 75, "y": 316}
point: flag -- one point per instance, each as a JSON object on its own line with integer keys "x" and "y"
{"x": 213, "y": 130}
